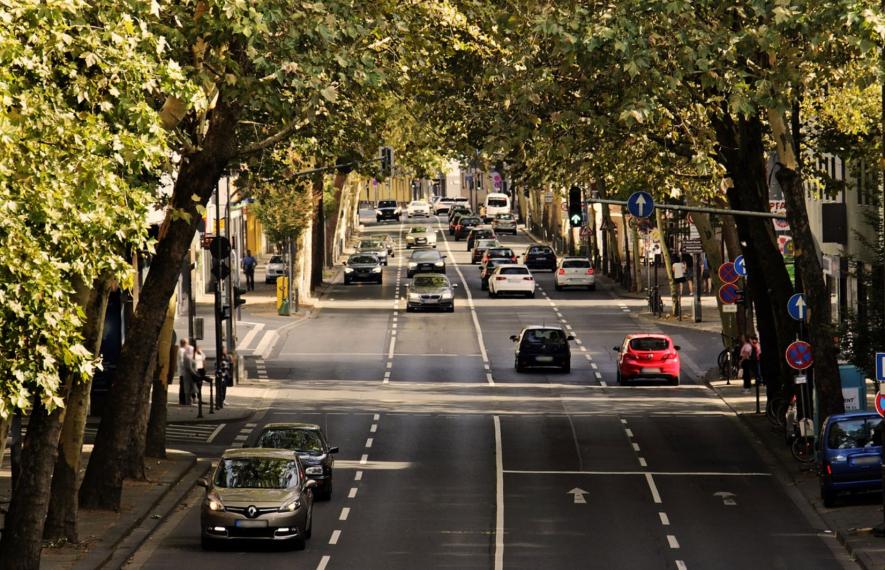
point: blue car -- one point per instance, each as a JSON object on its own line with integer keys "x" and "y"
{"x": 850, "y": 455}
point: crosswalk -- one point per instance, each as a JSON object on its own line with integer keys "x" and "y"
{"x": 175, "y": 433}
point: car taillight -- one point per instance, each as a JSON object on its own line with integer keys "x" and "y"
{"x": 561, "y": 271}
{"x": 513, "y": 258}
{"x": 590, "y": 271}
{"x": 669, "y": 355}
{"x": 829, "y": 469}
{"x": 500, "y": 278}
{"x": 529, "y": 278}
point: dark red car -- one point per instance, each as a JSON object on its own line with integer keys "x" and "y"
{"x": 648, "y": 356}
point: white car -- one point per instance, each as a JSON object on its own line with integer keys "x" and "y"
{"x": 442, "y": 205}
{"x": 511, "y": 278}
{"x": 421, "y": 236}
{"x": 574, "y": 272}
{"x": 276, "y": 267}
{"x": 418, "y": 208}
{"x": 376, "y": 247}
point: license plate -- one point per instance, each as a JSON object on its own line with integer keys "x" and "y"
{"x": 544, "y": 358}
{"x": 541, "y": 258}
{"x": 651, "y": 370}
{"x": 866, "y": 460}
{"x": 251, "y": 524}
{"x": 430, "y": 301}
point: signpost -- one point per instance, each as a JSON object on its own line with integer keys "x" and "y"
{"x": 729, "y": 293}
{"x": 798, "y": 308}
{"x": 727, "y": 273}
{"x": 640, "y": 204}
{"x": 880, "y": 404}
{"x": 799, "y": 355}
{"x": 880, "y": 366}
{"x": 740, "y": 266}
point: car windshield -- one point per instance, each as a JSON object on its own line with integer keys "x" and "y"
{"x": 466, "y": 220}
{"x": 574, "y": 263}
{"x": 256, "y": 473}
{"x": 504, "y": 217}
{"x": 276, "y": 259}
{"x": 484, "y": 243}
{"x": 363, "y": 259}
{"x": 501, "y": 252}
{"x": 425, "y": 255}
{"x": 855, "y": 433}
{"x": 387, "y": 204}
{"x": 550, "y": 337}
{"x": 418, "y": 204}
{"x": 649, "y": 343}
{"x": 370, "y": 245}
{"x": 431, "y": 281}
{"x": 418, "y": 230}
{"x": 514, "y": 271}
{"x": 305, "y": 440}
{"x": 497, "y": 202}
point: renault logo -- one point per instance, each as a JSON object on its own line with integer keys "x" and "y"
{"x": 251, "y": 511}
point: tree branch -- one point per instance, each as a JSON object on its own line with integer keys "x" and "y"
{"x": 272, "y": 140}
{"x": 679, "y": 149}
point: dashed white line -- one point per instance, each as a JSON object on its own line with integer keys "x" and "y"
{"x": 358, "y": 476}
{"x": 655, "y": 496}
{"x": 680, "y": 565}
{"x": 593, "y": 365}
{"x": 665, "y": 520}
{"x": 376, "y": 417}
{"x": 352, "y": 493}
{"x": 583, "y": 348}
{"x": 674, "y": 544}
{"x": 374, "y": 428}
{"x": 642, "y": 462}
{"x": 598, "y": 375}
{"x": 336, "y": 534}
{"x": 345, "y": 512}
{"x": 635, "y": 447}
{"x": 629, "y": 432}
{"x": 623, "y": 421}
{"x": 603, "y": 383}
{"x": 369, "y": 442}
{"x": 324, "y": 561}
{"x": 364, "y": 459}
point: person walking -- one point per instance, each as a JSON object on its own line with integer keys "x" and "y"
{"x": 249, "y": 263}
{"x": 224, "y": 379}
{"x": 200, "y": 377}
{"x": 189, "y": 375}
{"x": 688, "y": 263}
{"x": 184, "y": 353}
{"x": 749, "y": 361}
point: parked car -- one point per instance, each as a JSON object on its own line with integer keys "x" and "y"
{"x": 542, "y": 346}
{"x": 499, "y": 251}
{"x": 375, "y": 247}
{"x": 421, "y": 236}
{"x": 426, "y": 261}
{"x": 486, "y": 269}
{"x": 362, "y": 267}
{"x": 430, "y": 291}
{"x": 647, "y": 356}
{"x": 539, "y": 257}
{"x": 482, "y": 246}
{"x": 511, "y": 279}
{"x": 387, "y": 210}
{"x": 418, "y": 208}
{"x": 850, "y": 456}
{"x": 479, "y": 232}
{"x": 502, "y": 223}
{"x": 276, "y": 266}
{"x": 574, "y": 272}
{"x": 309, "y": 442}
{"x": 464, "y": 225}
{"x": 257, "y": 494}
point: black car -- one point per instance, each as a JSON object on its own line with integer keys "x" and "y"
{"x": 487, "y": 268}
{"x": 543, "y": 346}
{"x": 479, "y": 233}
{"x": 426, "y": 261}
{"x": 464, "y": 225}
{"x": 539, "y": 257}
{"x": 430, "y": 291}
{"x": 458, "y": 214}
{"x": 309, "y": 443}
{"x": 362, "y": 267}
{"x": 387, "y": 210}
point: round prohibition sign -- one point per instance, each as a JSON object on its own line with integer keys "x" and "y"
{"x": 799, "y": 355}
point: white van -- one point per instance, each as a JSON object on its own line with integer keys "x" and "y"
{"x": 496, "y": 203}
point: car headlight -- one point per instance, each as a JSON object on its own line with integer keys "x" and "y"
{"x": 447, "y": 295}
{"x": 314, "y": 470}
{"x": 378, "y": 212}
{"x": 214, "y": 501}
{"x": 439, "y": 263}
{"x": 291, "y": 506}
{"x": 348, "y": 269}
{"x": 414, "y": 297}
{"x": 376, "y": 270}
{"x": 413, "y": 264}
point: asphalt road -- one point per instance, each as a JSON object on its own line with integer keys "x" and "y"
{"x": 450, "y": 459}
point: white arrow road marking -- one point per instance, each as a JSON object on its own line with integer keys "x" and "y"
{"x": 579, "y": 495}
{"x": 727, "y": 498}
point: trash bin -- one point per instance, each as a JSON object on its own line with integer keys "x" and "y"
{"x": 854, "y": 388}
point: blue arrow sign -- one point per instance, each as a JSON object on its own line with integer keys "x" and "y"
{"x": 640, "y": 204}
{"x": 880, "y": 366}
{"x": 740, "y": 266}
{"x": 797, "y": 307}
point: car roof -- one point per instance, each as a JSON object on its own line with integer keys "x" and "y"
{"x": 505, "y": 265}
{"x": 542, "y": 327}
{"x": 291, "y": 425}
{"x": 257, "y": 453}
{"x": 648, "y": 335}
{"x": 852, "y": 415}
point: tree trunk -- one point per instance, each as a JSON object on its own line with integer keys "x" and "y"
{"x": 318, "y": 248}
{"x": 61, "y": 519}
{"x": 668, "y": 261}
{"x": 198, "y": 177}
{"x": 714, "y": 259}
{"x": 133, "y": 468}
{"x": 4, "y": 433}
{"x": 167, "y": 348}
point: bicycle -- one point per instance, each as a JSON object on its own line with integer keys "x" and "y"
{"x": 776, "y": 408}
{"x": 655, "y": 304}
{"x": 728, "y": 359}
{"x": 802, "y": 446}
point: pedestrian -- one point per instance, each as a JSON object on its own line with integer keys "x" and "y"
{"x": 224, "y": 378}
{"x": 184, "y": 352}
{"x": 706, "y": 281}
{"x": 688, "y": 263}
{"x": 748, "y": 361}
{"x": 200, "y": 365}
{"x": 188, "y": 375}
{"x": 249, "y": 264}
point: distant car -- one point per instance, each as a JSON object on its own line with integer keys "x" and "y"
{"x": 647, "y": 356}
{"x": 539, "y": 257}
{"x": 511, "y": 279}
{"x": 443, "y": 205}
{"x": 387, "y": 210}
{"x": 504, "y": 223}
{"x": 421, "y": 236}
{"x": 850, "y": 455}
{"x": 542, "y": 346}
{"x": 430, "y": 291}
{"x": 495, "y": 203}
{"x": 464, "y": 225}
{"x": 362, "y": 267}
{"x": 418, "y": 208}
{"x": 309, "y": 442}
{"x": 479, "y": 232}
{"x": 454, "y": 220}
{"x": 499, "y": 251}
{"x": 257, "y": 494}
{"x": 488, "y": 266}
{"x": 426, "y": 261}
{"x": 376, "y": 247}
{"x": 574, "y": 272}
{"x": 482, "y": 245}
{"x": 276, "y": 266}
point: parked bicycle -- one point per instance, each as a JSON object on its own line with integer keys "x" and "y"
{"x": 655, "y": 303}
{"x": 729, "y": 358}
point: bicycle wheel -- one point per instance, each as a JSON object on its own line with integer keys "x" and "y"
{"x": 721, "y": 361}
{"x": 774, "y": 409}
{"x": 802, "y": 449}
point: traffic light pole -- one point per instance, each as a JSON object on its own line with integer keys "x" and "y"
{"x": 219, "y": 340}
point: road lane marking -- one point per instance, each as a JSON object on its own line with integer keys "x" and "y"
{"x": 352, "y": 493}
{"x": 665, "y": 520}
{"x": 499, "y": 497}
{"x": 655, "y": 496}
{"x": 577, "y": 340}
{"x": 680, "y": 565}
{"x": 674, "y": 544}
{"x": 336, "y": 534}
{"x": 623, "y": 421}
{"x": 603, "y": 383}
{"x": 358, "y": 476}
{"x": 370, "y": 441}
{"x": 240, "y": 437}
{"x": 489, "y": 379}
{"x": 364, "y": 459}
{"x": 598, "y": 375}
{"x": 324, "y": 561}
{"x": 345, "y": 512}
{"x": 376, "y": 417}
{"x": 390, "y": 364}
{"x": 594, "y": 366}
{"x": 629, "y": 432}
{"x": 374, "y": 428}
{"x": 635, "y": 447}
{"x": 645, "y": 473}
{"x": 642, "y": 462}
{"x": 215, "y": 433}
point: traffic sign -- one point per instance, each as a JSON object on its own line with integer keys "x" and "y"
{"x": 693, "y": 246}
{"x": 880, "y": 366}
{"x": 880, "y": 404}
{"x": 220, "y": 247}
{"x": 799, "y": 355}
{"x": 740, "y": 266}
{"x": 797, "y": 307}
{"x": 728, "y": 293}
{"x": 640, "y": 204}
{"x": 727, "y": 273}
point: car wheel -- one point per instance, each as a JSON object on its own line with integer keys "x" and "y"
{"x": 674, "y": 381}
{"x": 567, "y": 367}
{"x": 208, "y": 543}
{"x": 530, "y": 295}
{"x": 484, "y": 286}
{"x": 326, "y": 495}
{"x": 308, "y": 530}
{"x": 591, "y": 287}
{"x": 557, "y": 286}
{"x": 519, "y": 366}
{"x": 379, "y": 281}
{"x": 452, "y": 308}
{"x": 492, "y": 293}
{"x": 347, "y": 281}
{"x": 409, "y": 309}
{"x": 299, "y": 543}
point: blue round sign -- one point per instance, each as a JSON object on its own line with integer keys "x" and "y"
{"x": 797, "y": 307}
{"x": 640, "y": 204}
{"x": 740, "y": 266}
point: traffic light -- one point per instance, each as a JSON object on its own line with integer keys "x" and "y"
{"x": 575, "y": 207}
{"x": 386, "y": 161}
{"x": 238, "y": 296}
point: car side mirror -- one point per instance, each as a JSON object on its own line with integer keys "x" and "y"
{"x": 455, "y": 285}
{"x": 514, "y": 337}
{"x": 443, "y": 256}
{"x": 203, "y": 482}
{"x": 345, "y": 263}
{"x": 677, "y": 347}
{"x": 310, "y": 484}
{"x": 333, "y": 449}
{"x": 616, "y": 348}
{"x": 570, "y": 337}
{"x": 407, "y": 283}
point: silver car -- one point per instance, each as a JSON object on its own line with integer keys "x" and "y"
{"x": 257, "y": 494}
{"x": 504, "y": 223}
{"x": 276, "y": 267}
{"x": 430, "y": 291}
{"x": 375, "y": 247}
{"x": 421, "y": 236}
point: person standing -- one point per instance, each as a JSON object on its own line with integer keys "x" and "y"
{"x": 224, "y": 379}
{"x": 184, "y": 355}
{"x": 688, "y": 263}
{"x": 188, "y": 375}
{"x": 200, "y": 365}
{"x": 249, "y": 263}
{"x": 748, "y": 361}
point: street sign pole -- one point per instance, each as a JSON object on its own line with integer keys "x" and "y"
{"x": 696, "y": 260}
{"x": 219, "y": 340}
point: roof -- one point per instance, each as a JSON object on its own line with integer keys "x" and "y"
{"x": 850, "y": 415}
{"x": 291, "y": 425}
{"x": 543, "y": 327}
{"x": 257, "y": 453}
{"x": 648, "y": 335}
